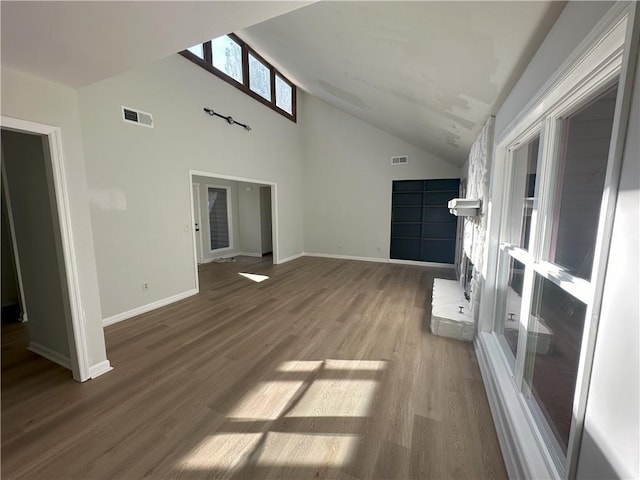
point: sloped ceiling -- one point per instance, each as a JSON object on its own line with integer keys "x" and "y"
{"x": 79, "y": 43}
{"x": 428, "y": 72}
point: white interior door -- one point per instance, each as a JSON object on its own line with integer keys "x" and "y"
{"x": 196, "y": 221}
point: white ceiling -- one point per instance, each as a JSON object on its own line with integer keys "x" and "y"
{"x": 79, "y": 43}
{"x": 428, "y": 72}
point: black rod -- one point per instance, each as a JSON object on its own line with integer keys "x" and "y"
{"x": 229, "y": 119}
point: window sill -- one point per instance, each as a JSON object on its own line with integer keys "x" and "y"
{"x": 523, "y": 449}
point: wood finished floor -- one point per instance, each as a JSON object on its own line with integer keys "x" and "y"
{"x": 324, "y": 370}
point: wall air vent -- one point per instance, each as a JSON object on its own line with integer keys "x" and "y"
{"x": 138, "y": 117}
{"x": 402, "y": 160}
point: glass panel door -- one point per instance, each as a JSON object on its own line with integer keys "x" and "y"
{"x": 218, "y": 218}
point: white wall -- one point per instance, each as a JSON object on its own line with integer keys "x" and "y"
{"x": 611, "y": 442}
{"x": 205, "y": 227}
{"x": 574, "y": 23}
{"x": 38, "y": 236}
{"x": 348, "y": 177}
{"x": 266, "y": 220}
{"x": 10, "y": 292}
{"x": 250, "y": 226}
{"x": 30, "y": 98}
{"x": 345, "y": 185}
{"x": 138, "y": 177}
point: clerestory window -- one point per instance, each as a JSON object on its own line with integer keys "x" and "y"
{"x": 232, "y": 60}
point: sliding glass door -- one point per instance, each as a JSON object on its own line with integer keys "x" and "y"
{"x": 219, "y": 205}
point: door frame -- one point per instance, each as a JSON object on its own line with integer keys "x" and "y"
{"x": 197, "y": 216}
{"x": 274, "y": 213}
{"x": 78, "y": 350}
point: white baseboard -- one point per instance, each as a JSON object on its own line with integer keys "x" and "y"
{"x": 49, "y": 354}
{"x": 224, "y": 255}
{"x": 347, "y": 257}
{"x": 343, "y": 257}
{"x": 375, "y": 259}
{"x": 292, "y": 257}
{"x": 147, "y": 308}
{"x": 423, "y": 264}
{"x": 100, "y": 369}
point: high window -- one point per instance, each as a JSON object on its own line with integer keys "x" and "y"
{"x": 235, "y": 62}
{"x": 226, "y": 56}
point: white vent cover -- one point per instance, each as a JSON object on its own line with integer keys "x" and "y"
{"x": 401, "y": 160}
{"x": 138, "y": 117}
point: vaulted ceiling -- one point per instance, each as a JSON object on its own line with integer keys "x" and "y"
{"x": 77, "y": 43}
{"x": 428, "y": 72}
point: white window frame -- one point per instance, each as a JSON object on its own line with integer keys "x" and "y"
{"x": 607, "y": 53}
{"x": 229, "y": 221}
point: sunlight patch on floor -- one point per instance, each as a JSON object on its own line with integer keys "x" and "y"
{"x": 299, "y": 366}
{"x": 307, "y": 449}
{"x": 347, "y": 365}
{"x": 336, "y": 398}
{"x": 225, "y": 451}
{"x": 266, "y": 401}
{"x": 311, "y": 417}
{"x": 254, "y": 276}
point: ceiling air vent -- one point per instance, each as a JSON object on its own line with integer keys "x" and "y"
{"x": 399, "y": 160}
{"x": 136, "y": 116}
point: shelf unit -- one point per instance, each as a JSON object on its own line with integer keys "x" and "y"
{"x": 422, "y": 228}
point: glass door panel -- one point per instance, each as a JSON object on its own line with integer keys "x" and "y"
{"x": 218, "y": 218}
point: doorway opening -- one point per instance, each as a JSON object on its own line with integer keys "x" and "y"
{"x": 232, "y": 217}
{"x": 35, "y": 246}
{"x": 39, "y": 227}
{"x": 12, "y": 302}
